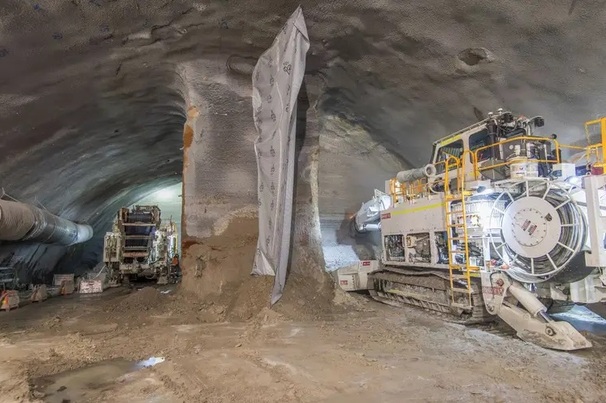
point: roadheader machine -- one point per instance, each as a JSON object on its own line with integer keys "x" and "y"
{"x": 139, "y": 246}
{"x": 496, "y": 225}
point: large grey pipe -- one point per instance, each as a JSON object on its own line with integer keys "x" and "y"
{"x": 24, "y": 222}
{"x": 410, "y": 175}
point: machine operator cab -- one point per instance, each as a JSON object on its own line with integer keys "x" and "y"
{"x": 488, "y": 146}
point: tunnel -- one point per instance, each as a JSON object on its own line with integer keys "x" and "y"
{"x": 94, "y": 112}
{"x": 108, "y": 104}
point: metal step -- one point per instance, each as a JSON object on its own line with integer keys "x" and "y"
{"x": 464, "y": 268}
{"x": 461, "y": 290}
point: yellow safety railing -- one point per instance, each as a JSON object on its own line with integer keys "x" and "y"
{"x": 594, "y": 154}
{"x": 410, "y": 190}
{"x": 422, "y": 187}
{"x": 477, "y": 169}
{"x": 599, "y": 149}
{"x": 407, "y": 191}
{"x": 591, "y": 154}
{"x": 458, "y": 166}
{"x": 451, "y": 163}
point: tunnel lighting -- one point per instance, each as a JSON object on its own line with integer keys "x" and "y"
{"x": 164, "y": 194}
{"x": 575, "y": 180}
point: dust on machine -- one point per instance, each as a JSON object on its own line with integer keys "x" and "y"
{"x": 496, "y": 225}
{"x": 140, "y": 247}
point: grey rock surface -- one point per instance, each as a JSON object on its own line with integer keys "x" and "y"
{"x": 95, "y": 94}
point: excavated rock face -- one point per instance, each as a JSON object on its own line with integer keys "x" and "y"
{"x": 95, "y": 94}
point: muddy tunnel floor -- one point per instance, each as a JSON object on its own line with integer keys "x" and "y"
{"x": 153, "y": 345}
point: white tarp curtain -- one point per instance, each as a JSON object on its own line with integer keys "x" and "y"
{"x": 277, "y": 79}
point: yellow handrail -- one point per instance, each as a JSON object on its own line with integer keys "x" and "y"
{"x": 410, "y": 190}
{"x": 419, "y": 187}
{"x": 602, "y": 144}
{"x": 591, "y": 150}
{"x": 447, "y": 169}
{"x": 458, "y": 165}
{"x": 478, "y": 170}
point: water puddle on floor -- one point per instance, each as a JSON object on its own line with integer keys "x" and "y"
{"x": 85, "y": 383}
{"x": 584, "y": 320}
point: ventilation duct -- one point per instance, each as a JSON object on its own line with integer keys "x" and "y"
{"x": 24, "y": 222}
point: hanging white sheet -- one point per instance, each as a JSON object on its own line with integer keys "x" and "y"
{"x": 277, "y": 79}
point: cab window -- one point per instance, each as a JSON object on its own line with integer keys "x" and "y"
{"x": 454, "y": 149}
{"x": 478, "y": 140}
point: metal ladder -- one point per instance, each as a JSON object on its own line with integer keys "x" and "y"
{"x": 457, "y": 220}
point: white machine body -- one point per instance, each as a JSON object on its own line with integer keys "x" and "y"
{"x": 496, "y": 208}
{"x": 140, "y": 246}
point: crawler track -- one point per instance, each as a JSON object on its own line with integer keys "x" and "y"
{"x": 429, "y": 290}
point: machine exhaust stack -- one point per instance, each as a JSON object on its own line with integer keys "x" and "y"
{"x": 24, "y": 222}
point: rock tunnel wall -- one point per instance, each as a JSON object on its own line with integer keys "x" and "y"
{"x": 121, "y": 145}
{"x": 95, "y": 94}
{"x": 220, "y": 192}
